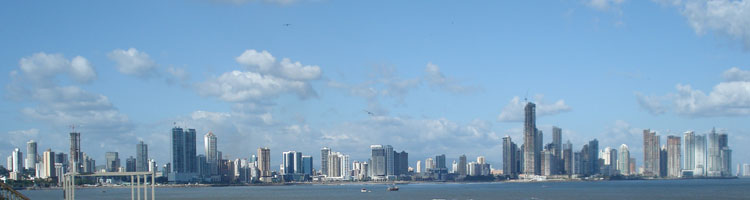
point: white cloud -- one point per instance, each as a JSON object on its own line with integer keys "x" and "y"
{"x": 652, "y": 104}
{"x": 238, "y": 86}
{"x": 178, "y": 75}
{"x": 18, "y": 138}
{"x": 264, "y": 62}
{"x": 514, "y": 110}
{"x": 729, "y": 18}
{"x": 731, "y": 98}
{"x": 736, "y": 74}
{"x": 61, "y": 106}
{"x": 41, "y": 69}
{"x": 133, "y": 62}
{"x": 436, "y": 78}
{"x": 604, "y": 5}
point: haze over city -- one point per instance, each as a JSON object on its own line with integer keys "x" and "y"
{"x": 430, "y": 77}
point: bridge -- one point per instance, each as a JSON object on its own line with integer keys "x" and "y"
{"x": 69, "y": 188}
{"x": 7, "y": 192}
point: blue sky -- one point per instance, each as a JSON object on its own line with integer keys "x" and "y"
{"x": 440, "y": 77}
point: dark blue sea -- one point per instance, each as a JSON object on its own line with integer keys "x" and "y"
{"x": 633, "y": 189}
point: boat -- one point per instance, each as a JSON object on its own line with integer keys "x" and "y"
{"x": 392, "y": 188}
{"x": 363, "y": 190}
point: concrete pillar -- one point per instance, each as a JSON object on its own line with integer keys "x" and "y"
{"x": 145, "y": 188}
{"x": 153, "y": 196}
{"x": 138, "y": 186}
{"x": 132, "y": 189}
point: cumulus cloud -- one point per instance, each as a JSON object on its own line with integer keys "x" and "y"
{"x": 239, "y": 86}
{"x": 18, "y": 138}
{"x": 514, "y": 110}
{"x": 730, "y": 98}
{"x": 133, "y": 62}
{"x": 42, "y": 69}
{"x": 60, "y": 105}
{"x": 264, "y": 62}
{"x": 383, "y": 84}
{"x": 436, "y": 78}
{"x": 729, "y": 18}
{"x": 264, "y": 80}
{"x": 178, "y": 75}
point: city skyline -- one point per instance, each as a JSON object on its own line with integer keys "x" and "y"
{"x": 428, "y": 90}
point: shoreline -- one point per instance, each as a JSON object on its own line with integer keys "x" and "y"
{"x": 377, "y": 183}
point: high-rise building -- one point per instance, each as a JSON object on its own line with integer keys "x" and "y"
{"x": 183, "y": 151}
{"x": 113, "y": 161}
{"x": 390, "y": 165}
{"x": 264, "y": 163}
{"x": 440, "y": 162}
{"x": 651, "y": 153}
{"x": 378, "y": 163}
{"x": 623, "y": 161}
{"x": 663, "y": 158}
{"x": 48, "y": 160}
{"x": 130, "y": 164}
{"x": 75, "y": 152}
{"x": 568, "y": 158}
{"x": 509, "y": 157}
{"x": 529, "y": 139}
{"x": 141, "y": 153}
{"x": 212, "y": 153}
{"x": 714, "y": 154}
{"x": 557, "y": 156}
{"x": 307, "y": 165}
{"x": 746, "y": 169}
{"x": 429, "y": 164}
{"x": 17, "y": 161}
{"x": 689, "y": 150}
{"x": 292, "y": 162}
{"x": 547, "y": 162}
{"x": 419, "y": 166}
{"x": 726, "y": 161}
{"x": 461, "y": 166}
{"x": 593, "y": 159}
{"x": 31, "y": 154}
{"x": 701, "y": 157}
{"x": 673, "y": 156}
{"x": 334, "y": 164}
{"x": 401, "y": 163}
{"x": 539, "y": 146}
{"x": 324, "y": 160}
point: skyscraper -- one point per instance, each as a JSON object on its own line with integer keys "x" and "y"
{"x": 623, "y": 161}
{"x": 212, "y": 156}
{"x": 307, "y": 165}
{"x": 292, "y": 162}
{"x": 557, "y": 153}
{"x": 651, "y": 153}
{"x": 701, "y": 158}
{"x": 689, "y": 150}
{"x": 461, "y": 168}
{"x": 663, "y": 155}
{"x": 264, "y": 163}
{"x": 130, "y": 164}
{"x": 31, "y": 154}
{"x": 183, "y": 151}
{"x": 509, "y": 158}
{"x": 75, "y": 152}
{"x": 593, "y": 150}
{"x": 568, "y": 158}
{"x": 419, "y": 166}
{"x": 378, "y": 163}
{"x": 324, "y": 160}
{"x": 17, "y": 160}
{"x": 390, "y": 164}
{"x": 440, "y": 162}
{"x": 714, "y": 154}
{"x": 141, "y": 153}
{"x": 113, "y": 161}
{"x": 48, "y": 160}
{"x": 673, "y": 156}
{"x": 529, "y": 140}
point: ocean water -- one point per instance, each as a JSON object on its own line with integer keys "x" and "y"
{"x": 639, "y": 190}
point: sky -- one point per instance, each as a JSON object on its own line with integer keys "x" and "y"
{"x": 427, "y": 77}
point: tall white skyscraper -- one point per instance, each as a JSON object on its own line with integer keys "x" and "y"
{"x": 17, "y": 160}
{"x": 419, "y": 166}
{"x": 212, "y": 156}
{"x": 623, "y": 161}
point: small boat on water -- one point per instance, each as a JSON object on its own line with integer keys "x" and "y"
{"x": 363, "y": 190}
{"x": 392, "y": 188}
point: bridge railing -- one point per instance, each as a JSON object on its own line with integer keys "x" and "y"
{"x": 7, "y": 192}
